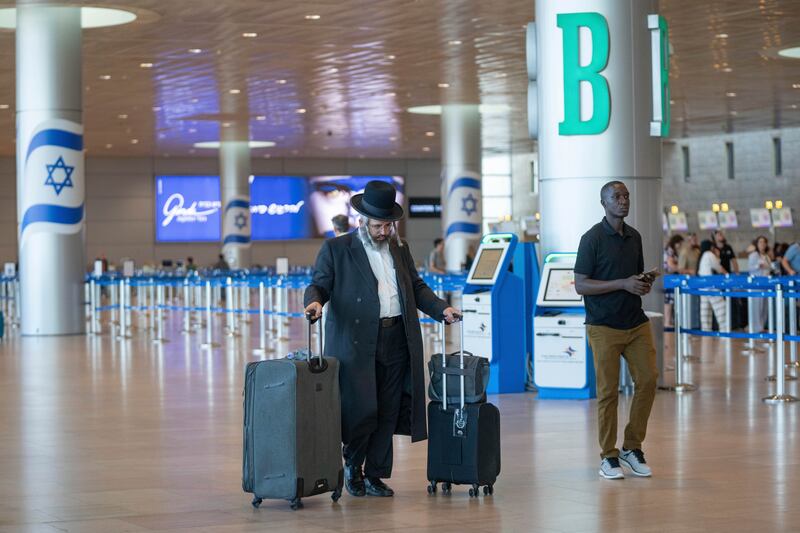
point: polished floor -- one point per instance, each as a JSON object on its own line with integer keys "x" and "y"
{"x": 101, "y": 435}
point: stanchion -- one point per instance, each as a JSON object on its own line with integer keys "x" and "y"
{"x": 728, "y": 313}
{"x": 123, "y": 327}
{"x": 244, "y": 301}
{"x": 209, "y": 344}
{"x": 17, "y": 306}
{"x": 271, "y": 307}
{"x": 262, "y": 333}
{"x": 98, "y": 298}
{"x": 187, "y": 307}
{"x": 679, "y": 386}
{"x": 128, "y": 310}
{"x": 282, "y": 306}
{"x": 87, "y": 302}
{"x": 198, "y": 301}
{"x": 780, "y": 395}
{"x": 159, "y": 310}
{"x": 771, "y": 319}
{"x": 92, "y": 308}
{"x": 751, "y": 323}
{"x": 686, "y": 309}
{"x": 152, "y": 306}
{"x": 793, "y": 362}
{"x": 230, "y": 330}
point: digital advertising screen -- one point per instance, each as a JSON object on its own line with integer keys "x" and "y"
{"x": 188, "y": 209}
{"x": 330, "y": 196}
{"x": 279, "y": 208}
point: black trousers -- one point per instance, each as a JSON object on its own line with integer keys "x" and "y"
{"x": 374, "y": 450}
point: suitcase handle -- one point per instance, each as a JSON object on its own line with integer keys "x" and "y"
{"x": 459, "y": 318}
{"x": 316, "y": 365}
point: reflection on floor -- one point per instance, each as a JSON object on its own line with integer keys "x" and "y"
{"x": 107, "y": 436}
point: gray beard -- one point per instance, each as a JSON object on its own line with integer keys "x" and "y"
{"x": 368, "y": 241}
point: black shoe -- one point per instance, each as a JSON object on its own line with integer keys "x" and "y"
{"x": 354, "y": 481}
{"x": 376, "y": 487}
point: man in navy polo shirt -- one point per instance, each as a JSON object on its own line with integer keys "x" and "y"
{"x": 609, "y": 273}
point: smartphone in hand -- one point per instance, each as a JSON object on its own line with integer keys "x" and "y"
{"x": 649, "y": 276}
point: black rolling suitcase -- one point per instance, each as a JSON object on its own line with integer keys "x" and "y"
{"x": 292, "y": 429}
{"x": 463, "y": 440}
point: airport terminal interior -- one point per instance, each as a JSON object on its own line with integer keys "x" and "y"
{"x": 174, "y": 175}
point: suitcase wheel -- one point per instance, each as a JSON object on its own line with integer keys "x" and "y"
{"x": 447, "y": 488}
{"x": 256, "y": 503}
{"x": 296, "y": 504}
{"x": 432, "y": 488}
{"x": 336, "y": 495}
{"x": 488, "y": 490}
{"x": 474, "y": 492}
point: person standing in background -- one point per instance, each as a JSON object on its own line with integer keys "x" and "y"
{"x": 709, "y": 266}
{"x": 759, "y": 263}
{"x": 670, "y": 267}
{"x": 689, "y": 256}
{"x": 341, "y": 225}
{"x": 727, "y": 257}
{"x": 436, "y": 263}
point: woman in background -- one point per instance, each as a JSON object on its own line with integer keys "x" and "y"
{"x": 709, "y": 266}
{"x": 671, "y": 267}
{"x": 759, "y": 263}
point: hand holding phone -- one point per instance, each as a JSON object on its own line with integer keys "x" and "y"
{"x": 649, "y": 276}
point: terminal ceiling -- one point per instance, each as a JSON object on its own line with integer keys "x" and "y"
{"x": 334, "y": 78}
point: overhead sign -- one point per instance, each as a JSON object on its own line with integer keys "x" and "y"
{"x": 188, "y": 209}
{"x": 678, "y": 222}
{"x": 424, "y": 207}
{"x": 760, "y": 217}
{"x": 707, "y": 220}
{"x": 782, "y": 218}
{"x": 728, "y": 220}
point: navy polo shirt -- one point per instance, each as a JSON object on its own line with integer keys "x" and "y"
{"x": 605, "y": 255}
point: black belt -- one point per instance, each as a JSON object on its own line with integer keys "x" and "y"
{"x": 390, "y": 321}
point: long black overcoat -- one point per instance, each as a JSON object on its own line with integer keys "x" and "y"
{"x": 343, "y": 278}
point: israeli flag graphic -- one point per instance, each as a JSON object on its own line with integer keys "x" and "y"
{"x": 52, "y": 196}
{"x": 236, "y": 221}
{"x": 463, "y": 209}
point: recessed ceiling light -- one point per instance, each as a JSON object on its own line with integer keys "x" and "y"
{"x": 249, "y": 34}
{"x": 134, "y": 141}
{"x": 301, "y": 111}
{"x": 794, "y": 106}
{"x": 734, "y": 113}
{"x": 146, "y": 65}
{"x": 426, "y": 149}
{"x": 721, "y": 36}
{"x": 281, "y": 82}
{"x": 252, "y": 144}
{"x": 312, "y": 17}
{"x": 192, "y": 130}
{"x": 391, "y": 57}
{"x": 444, "y": 85}
{"x": 195, "y": 50}
{"x": 226, "y": 124}
{"x": 195, "y": 100}
{"x": 3, "y": 106}
{"x": 109, "y": 146}
{"x": 429, "y": 134}
{"x": 333, "y": 70}
{"x": 392, "y": 139}
{"x": 792, "y": 52}
{"x": 454, "y": 42}
{"x": 105, "y": 76}
{"x": 437, "y": 109}
{"x": 122, "y": 116}
{"x": 727, "y": 69}
{"x": 156, "y": 108}
{"x": 234, "y": 91}
{"x": 391, "y": 94}
{"x": 261, "y": 117}
{"x": 91, "y": 17}
{"x": 730, "y": 94}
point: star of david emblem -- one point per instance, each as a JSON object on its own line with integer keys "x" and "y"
{"x": 66, "y": 170}
{"x": 469, "y": 204}
{"x": 240, "y": 221}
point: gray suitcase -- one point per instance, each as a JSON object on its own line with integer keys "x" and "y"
{"x": 292, "y": 429}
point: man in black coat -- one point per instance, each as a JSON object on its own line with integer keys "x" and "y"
{"x": 373, "y": 291}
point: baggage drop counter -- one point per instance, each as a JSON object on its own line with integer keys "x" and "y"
{"x": 562, "y": 360}
{"x": 494, "y": 313}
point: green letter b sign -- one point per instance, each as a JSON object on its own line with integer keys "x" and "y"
{"x": 575, "y": 74}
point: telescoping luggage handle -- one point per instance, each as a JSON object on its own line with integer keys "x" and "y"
{"x": 317, "y": 364}
{"x": 460, "y": 415}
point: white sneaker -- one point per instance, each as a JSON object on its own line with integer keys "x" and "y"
{"x": 634, "y": 459}
{"x": 610, "y": 469}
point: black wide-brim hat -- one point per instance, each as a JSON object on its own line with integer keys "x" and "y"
{"x": 378, "y": 202}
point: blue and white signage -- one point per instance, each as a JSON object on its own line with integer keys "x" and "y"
{"x": 52, "y": 193}
{"x": 188, "y": 208}
{"x": 279, "y": 208}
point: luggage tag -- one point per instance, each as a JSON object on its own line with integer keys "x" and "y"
{"x": 460, "y": 424}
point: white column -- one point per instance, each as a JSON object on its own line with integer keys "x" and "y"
{"x": 461, "y": 181}
{"x": 50, "y": 169}
{"x": 234, "y": 159}
{"x": 577, "y": 158}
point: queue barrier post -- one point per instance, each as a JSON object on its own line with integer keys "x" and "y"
{"x": 680, "y": 385}
{"x": 793, "y": 362}
{"x": 209, "y": 344}
{"x": 780, "y": 395}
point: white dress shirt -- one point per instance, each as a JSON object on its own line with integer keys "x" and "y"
{"x": 383, "y": 267}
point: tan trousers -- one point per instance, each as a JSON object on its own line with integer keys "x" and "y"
{"x": 636, "y": 346}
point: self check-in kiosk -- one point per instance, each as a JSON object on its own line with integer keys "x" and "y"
{"x": 494, "y": 313}
{"x": 562, "y": 361}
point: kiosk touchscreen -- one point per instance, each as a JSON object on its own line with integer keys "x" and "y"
{"x": 562, "y": 360}
{"x": 494, "y": 313}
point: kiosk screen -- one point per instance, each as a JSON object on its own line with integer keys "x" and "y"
{"x": 560, "y": 286}
{"x": 487, "y": 264}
